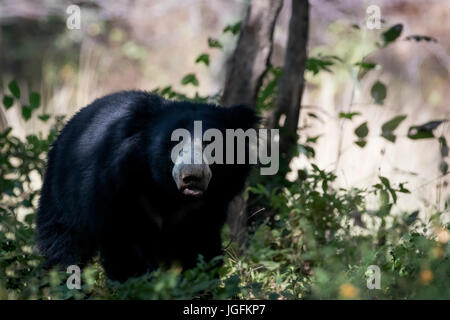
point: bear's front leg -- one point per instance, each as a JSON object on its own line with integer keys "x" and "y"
{"x": 207, "y": 244}
{"x": 122, "y": 261}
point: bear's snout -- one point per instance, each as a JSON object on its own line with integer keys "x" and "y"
{"x": 192, "y": 179}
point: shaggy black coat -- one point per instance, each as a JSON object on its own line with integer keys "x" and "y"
{"x": 108, "y": 187}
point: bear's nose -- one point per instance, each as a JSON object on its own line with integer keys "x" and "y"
{"x": 192, "y": 173}
{"x": 192, "y": 179}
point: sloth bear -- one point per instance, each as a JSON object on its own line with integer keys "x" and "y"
{"x": 112, "y": 186}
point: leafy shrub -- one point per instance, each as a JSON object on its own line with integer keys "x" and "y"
{"x": 319, "y": 244}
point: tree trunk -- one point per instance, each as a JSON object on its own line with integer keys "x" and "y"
{"x": 290, "y": 87}
{"x": 3, "y": 120}
{"x": 244, "y": 77}
{"x": 252, "y": 54}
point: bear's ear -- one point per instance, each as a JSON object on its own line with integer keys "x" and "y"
{"x": 241, "y": 117}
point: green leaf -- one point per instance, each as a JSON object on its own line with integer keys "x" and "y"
{"x": 273, "y": 296}
{"x": 313, "y": 115}
{"x": 317, "y": 64}
{"x": 391, "y": 34}
{"x": 270, "y": 265}
{"x": 313, "y": 139}
{"x": 389, "y": 136}
{"x": 443, "y": 167}
{"x": 30, "y": 218}
{"x": 5, "y": 133}
{"x": 424, "y": 131}
{"x": 35, "y": 100}
{"x": 14, "y": 88}
{"x": 384, "y": 198}
{"x": 402, "y": 188}
{"x": 392, "y": 124}
{"x": 385, "y": 182}
{"x": 26, "y": 112}
{"x": 190, "y": 79}
{"x": 387, "y": 130}
{"x": 410, "y": 219}
{"x": 362, "y": 131}
{"x": 44, "y": 117}
{"x": 233, "y": 28}
{"x": 214, "y": 43}
{"x": 361, "y": 143}
{"x": 420, "y": 135}
{"x": 388, "y": 187}
{"x": 443, "y": 146}
{"x": 378, "y": 92}
{"x": 306, "y": 150}
{"x": 267, "y": 94}
{"x": 349, "y": 115}
{"x": 203, "y": 58}
{"x": 366, "y": 65}
{"x": 8, "y": 101}
{"x": 168, "y": 92}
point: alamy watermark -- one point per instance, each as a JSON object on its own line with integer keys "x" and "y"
{"x": 191, "y": 149}
{"x": 74, "y": 280}
{"x": 73, "y": 21}
{"x": 374, "y": 277}
{"x": 374, "y": 17}
{"x": 373, "y": 274}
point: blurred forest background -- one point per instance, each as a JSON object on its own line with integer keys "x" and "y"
{"x": 183, "y": 48}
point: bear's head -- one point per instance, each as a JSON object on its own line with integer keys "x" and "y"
{"x": 199, "y": 151}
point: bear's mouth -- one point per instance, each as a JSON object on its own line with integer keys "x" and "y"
{"x": 192, "y": 191}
